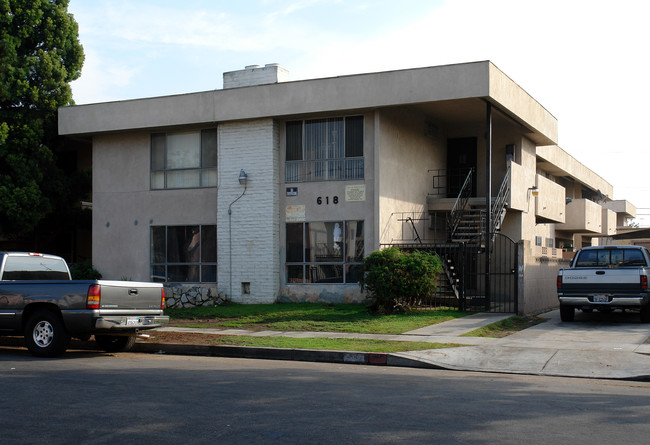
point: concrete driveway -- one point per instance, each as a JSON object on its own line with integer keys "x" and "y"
{"x": 614, "y": 331}
{"x": 596, "y": 345}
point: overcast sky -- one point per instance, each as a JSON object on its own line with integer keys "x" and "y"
{"x": 586, "y": 61}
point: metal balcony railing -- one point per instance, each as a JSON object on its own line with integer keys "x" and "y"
{"x": 324, "y": 170}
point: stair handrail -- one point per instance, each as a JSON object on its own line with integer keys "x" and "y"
{"x": 458, "y": 209}
{"x": 500, "y": 203}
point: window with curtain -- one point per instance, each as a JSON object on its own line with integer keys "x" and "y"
{"x": 184, "y": 254}
{"x": 324, "y": 252}
{"x": 184, "y": 159}
{"x": 324, "y": 149}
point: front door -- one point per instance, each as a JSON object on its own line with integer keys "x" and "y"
{"x": 461, "y": 158}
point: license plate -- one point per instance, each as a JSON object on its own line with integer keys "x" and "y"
{"x": 132, "y": 321}
{"x": 601, "y": 299}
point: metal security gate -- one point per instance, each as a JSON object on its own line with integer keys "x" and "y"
{"x": 503, "y": 276}
{"x": 461, "y": 285}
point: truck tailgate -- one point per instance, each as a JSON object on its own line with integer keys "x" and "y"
{"x": 130, "y": 295}
{"x": 601, "y": 280}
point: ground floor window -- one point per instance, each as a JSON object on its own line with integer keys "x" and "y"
{"x": 324, "y": 252}
{"x": 184, "y": 254}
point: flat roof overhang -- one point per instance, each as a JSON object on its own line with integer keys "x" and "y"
{"x": 558, "y": 162}
{"x": 449, "y": 93}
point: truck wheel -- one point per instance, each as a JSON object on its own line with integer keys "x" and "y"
{"x": 114, "y": 343}
{"x": 567, "y": 313}
{"x": 645, "y": 313}
{"x": 45, "y": 334}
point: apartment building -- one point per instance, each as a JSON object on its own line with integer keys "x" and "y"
{"x": 274, "y": 190}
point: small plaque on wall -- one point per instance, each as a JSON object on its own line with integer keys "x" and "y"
{"x": 292, "y": 191}
{"x": 295, "y": 213}
{"x": 355, "y": 192}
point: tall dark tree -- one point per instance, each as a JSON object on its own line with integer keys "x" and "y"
{"x": 40, "y": 55}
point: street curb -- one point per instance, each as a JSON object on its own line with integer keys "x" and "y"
{"x": 302, "y": 355}
{"x": 287, "y": 354}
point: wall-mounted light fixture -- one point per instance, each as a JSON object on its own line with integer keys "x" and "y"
{"x": 532, "y": 191}
{"x": 243, "y": 177}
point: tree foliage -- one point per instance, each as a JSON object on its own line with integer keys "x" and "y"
{"x": 396, "y": 280}
{"x": 40, "y": 55}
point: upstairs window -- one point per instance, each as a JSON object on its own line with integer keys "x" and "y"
{"x": 324, "y": 149}
{"x": 184, "y": 159}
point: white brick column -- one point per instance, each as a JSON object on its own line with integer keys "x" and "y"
{"x": 250, "y": 234}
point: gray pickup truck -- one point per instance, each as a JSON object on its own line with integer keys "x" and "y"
{"x": 39, "y": 300}
{"x": 606, "y": 278}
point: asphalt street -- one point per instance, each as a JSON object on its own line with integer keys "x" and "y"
{"x": 97, "y": 398}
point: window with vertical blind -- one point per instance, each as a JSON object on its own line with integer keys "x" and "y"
{"x": 324, "y": 149}
{"x": 184, "y": 159}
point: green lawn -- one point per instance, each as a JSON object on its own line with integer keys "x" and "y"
{"x": 329, "y": 318}
{"x": 307, "y": 317}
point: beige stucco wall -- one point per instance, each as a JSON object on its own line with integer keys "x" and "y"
{"x": 539, "y": 280}
{"x": 582, "y": 215}
{"x": 521, "y": 214}
{"x": 608, "y": 222}
{"x": 550, "y": 202}
{"x": 124, "y": 207}
{"x": 405, "y": 152}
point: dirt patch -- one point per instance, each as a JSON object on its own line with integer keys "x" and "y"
{"x": 206, "y": 323}
{"x": 179, "y": 338}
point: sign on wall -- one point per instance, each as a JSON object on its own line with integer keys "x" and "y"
{"x": 295, "y": 213}
{"x": 355, "y": 192}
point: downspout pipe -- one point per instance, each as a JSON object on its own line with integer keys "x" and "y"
{"x": 230, "y": 236}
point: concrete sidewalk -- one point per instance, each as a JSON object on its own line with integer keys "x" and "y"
{"x": 616, "y": 348}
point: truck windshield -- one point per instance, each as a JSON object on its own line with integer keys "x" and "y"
{"x": 34, "y": 268}
{"x": 610, "y": 258}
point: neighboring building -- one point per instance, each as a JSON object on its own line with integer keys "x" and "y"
{"x": 270, "y": 190}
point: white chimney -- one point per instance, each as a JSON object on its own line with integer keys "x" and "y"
{"x": 255, "y": 75}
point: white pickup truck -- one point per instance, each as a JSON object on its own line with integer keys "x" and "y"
{"x": 606, "y": 278}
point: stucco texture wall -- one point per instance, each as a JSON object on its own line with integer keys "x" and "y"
{"x": 539, "y": 282}
{"x": 406, "y": 150}
{"x": 124, "y": 207}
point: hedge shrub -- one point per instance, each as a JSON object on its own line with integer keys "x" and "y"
{"x": 84, "y": 271}
{"x": 397, "y": 280}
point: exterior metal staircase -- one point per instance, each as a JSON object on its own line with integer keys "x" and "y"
{"x": 470, "y": 225}
{"x": 466, "y": 222}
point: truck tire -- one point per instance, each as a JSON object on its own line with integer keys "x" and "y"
{"x": 114, "y": 343}
{"x": 645, "y": 313}
{"x": 45, "y": 334}
{"x": 567, "y": 313}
